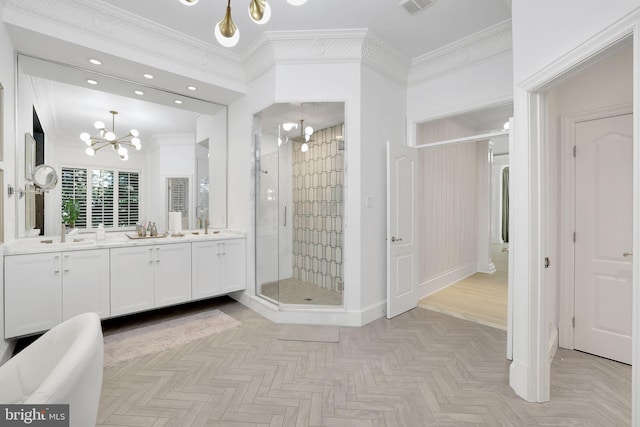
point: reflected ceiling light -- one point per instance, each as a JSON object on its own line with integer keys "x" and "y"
{"x": 296, "y": 2}
{"x": 95, "y": 61}
{"x": 304, "y": 147}
{"x": 148, "y": 76}
{"x": 108, "y": 138}
{"x": 189, "y": 2}
{"x": 289, "y": 125}
{"x": 138, "y": 92}
{"x": 92, "y": 82}
{"x": 192, "y": 88}
{"x": 177, "y": 101}
{"x": 505, "y": 126}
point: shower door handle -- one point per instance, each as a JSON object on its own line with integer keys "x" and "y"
{"x": 285, "y": 217}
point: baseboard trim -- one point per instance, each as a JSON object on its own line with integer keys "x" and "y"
{"x": 310, "y": 315}
{"x": 553, "y": 344}
{"x": 518, "y": 380}
{"x": 445, "y": 279}
{"x": 487, "y": 268}
{"x": 565, "y": 338}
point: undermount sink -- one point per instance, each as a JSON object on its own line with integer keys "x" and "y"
{"x": 68, "y": 242}
{"x": 42, "y": 241}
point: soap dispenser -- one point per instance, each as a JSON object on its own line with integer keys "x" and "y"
{"x": 100, "y": 233}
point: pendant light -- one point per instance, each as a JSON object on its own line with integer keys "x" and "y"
{"x": 226, "y": 31}
{"x": 260, "y": 11}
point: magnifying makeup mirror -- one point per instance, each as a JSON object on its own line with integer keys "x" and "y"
{"x": 44, "y": 178}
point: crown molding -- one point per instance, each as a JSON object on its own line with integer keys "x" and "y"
{"x": 103, "y": 21}
{"x": 474, "y": 49}
{"x": 326, "y": 47}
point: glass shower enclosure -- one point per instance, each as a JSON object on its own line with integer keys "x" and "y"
{"x": 299, "y": 193}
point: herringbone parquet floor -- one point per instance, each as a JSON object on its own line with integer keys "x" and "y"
{"x": 420, "y": 369}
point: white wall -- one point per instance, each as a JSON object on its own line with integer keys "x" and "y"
{"x": 383, "y": 113}
{"x": 469, "y": 88}
{"x": 7, "y": 162}
{"x": 545, "y": 30}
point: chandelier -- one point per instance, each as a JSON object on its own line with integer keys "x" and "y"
{"x": 107, "y": 138}
{"x": 226, "y": 31}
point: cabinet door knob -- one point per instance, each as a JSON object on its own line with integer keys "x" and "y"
{"x": 627, "y": 254}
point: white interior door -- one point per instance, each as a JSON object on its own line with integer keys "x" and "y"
{"x": 603, "y": 263}
{"x": 402, "y": 246}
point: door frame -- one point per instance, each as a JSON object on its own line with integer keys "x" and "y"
{"x": 529, "y": 374}
{"x": 568, "y": 208}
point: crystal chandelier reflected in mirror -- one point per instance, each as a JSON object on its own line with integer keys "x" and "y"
{"x": 226, "y": 31}
{"x": 108, "y": 138}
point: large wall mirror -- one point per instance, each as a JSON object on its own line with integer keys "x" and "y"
{"x": 180, "y": 137}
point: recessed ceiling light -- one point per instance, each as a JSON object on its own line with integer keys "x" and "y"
{"x": 177, "y": 101}
{"x": 148, "y": 76}
{"x": 192, "y": 88}
{"x": 138, "y": 92}
{"x": 92, "y": 82}
{"x": 95, "y": 61}
{"x": 189, "y": 2}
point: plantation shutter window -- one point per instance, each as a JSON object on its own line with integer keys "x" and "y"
{"x": 108, "y": 197}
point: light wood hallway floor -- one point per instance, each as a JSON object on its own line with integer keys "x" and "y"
{"x": 422, "y": 368}
{"x": 480, "y": 298}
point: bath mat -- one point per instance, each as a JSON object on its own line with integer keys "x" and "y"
{"x": 127, "y": 345}
{"x": 313, "y": 333}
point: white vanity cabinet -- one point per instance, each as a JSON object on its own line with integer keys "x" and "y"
{"x": 146, "y": 277}
{"x": 43, "y": 289}
{"x": 85, "y": 283}
{"x": 218, "y": 267}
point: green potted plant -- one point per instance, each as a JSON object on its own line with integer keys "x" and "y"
{"x": 70, "y": 212}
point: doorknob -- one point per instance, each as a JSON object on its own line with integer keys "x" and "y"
{"x": 396, "y": 239}
{"x": 627, "y": 254}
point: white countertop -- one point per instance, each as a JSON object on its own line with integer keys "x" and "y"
{"x": 77, "y": 242}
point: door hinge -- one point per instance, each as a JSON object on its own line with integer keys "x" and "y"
{"x": 547, "y": 263}
{"x": 574, "y": 151}
{"x": 574, "y": 237}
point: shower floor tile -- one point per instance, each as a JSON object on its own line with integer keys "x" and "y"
{"x": 294, "y": 291}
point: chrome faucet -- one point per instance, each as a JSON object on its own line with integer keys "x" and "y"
{"x": 63, "y": 233}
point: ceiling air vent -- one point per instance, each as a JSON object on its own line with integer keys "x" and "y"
{"x": 414, "y": 6}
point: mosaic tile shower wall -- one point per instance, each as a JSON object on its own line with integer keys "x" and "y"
{"x": 318, "y": 178}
